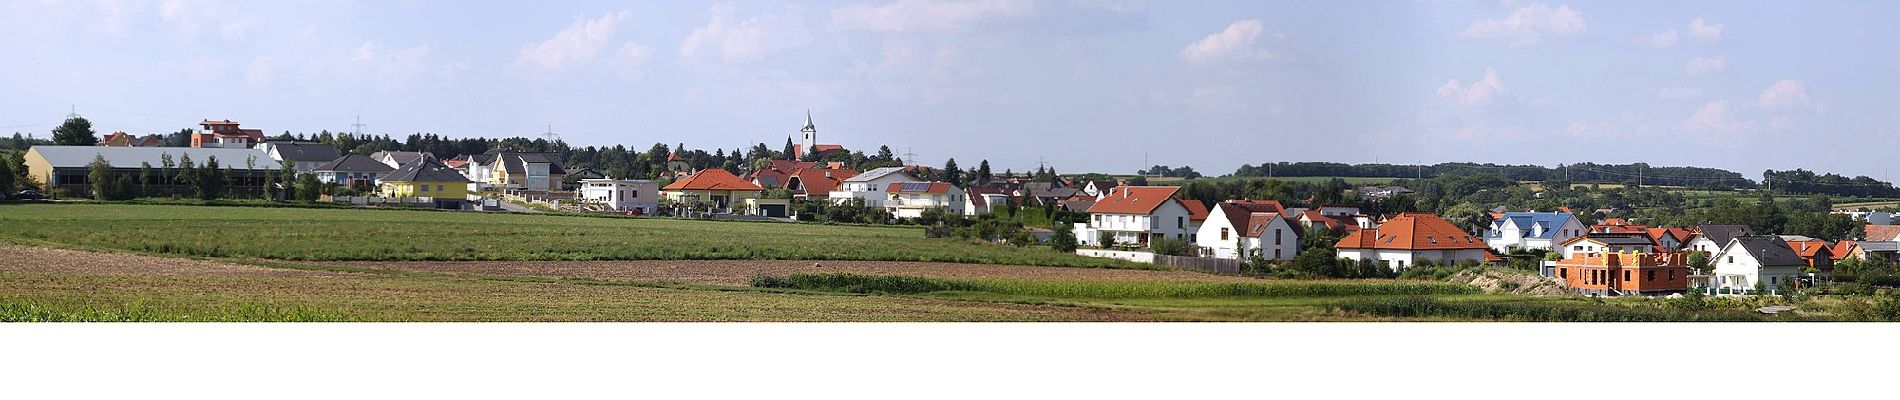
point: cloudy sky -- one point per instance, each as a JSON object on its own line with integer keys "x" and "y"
{"x": 1088, "y": 85}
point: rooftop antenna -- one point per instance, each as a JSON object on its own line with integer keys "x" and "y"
{"x": 356, "y": 129}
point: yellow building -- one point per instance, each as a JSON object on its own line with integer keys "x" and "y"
{"x": 427, "y": 179}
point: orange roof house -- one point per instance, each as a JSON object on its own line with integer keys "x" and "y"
{"x": 712, "y": 179}
{"x": 1197, "y": 211}
{"x": 225, "y": 134}
{"x": 1135, "y": 214}
{"x": 1625, "y": 273}
{"x": 711, "y": 188}
{"x": 1883, "y": 233}
{"x": 1844, "y": 249}
{"x": 1818, "y": 254}
{"x": 1141, "y": 200}
{"x": 1410, "y": 238}
{"x": 816, "y": 182}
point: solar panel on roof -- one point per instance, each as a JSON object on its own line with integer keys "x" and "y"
{"x": 915, "y": 186}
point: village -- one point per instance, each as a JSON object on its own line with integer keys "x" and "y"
{"x": 1095, "y": 215}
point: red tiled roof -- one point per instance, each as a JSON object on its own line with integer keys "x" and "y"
{"x": 712, "y": 179}
{"x": 819, "y": 181}
{"x": 1134, "y": 199}
{"x": 1809, "y": 248}
{"x": 1271, "y": 206}
{"x": 1413, "y": 231}
{"x": 674, "y": 156}
{"x": 455, "y": 163}
{"x": 1882, "y": 233}
{"x": 933, "y": 187}
{"x": 1197, "y": 211}
{"x": 1842, "y": 249}
{"x": 1257, "y": 223}
{"x": 1336, "y": 223}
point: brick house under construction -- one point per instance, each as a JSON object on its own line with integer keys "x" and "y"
{"x": 1623, "y": 274}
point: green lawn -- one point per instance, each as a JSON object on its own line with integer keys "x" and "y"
{"x": 375, "y": 235}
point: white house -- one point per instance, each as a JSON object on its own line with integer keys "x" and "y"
{"x": 356, "y": 171}
{"x": 910, "y": 199}
{"x": 479, "y": 168}
{"x": 1410, "y": 238}
{"x": 396, "y": 159}
{"x": 979, "y": 200}
{"x": 621, "y": 194}
{"x": 1136, "y": 214}
{"x": 870, "y": 186}
{"x": 1238, "y": 231}
{"x": 1747, "y": 261}
{"x": 1597, "y": 243}
{"x": 1097, "y": 189}
{"x": 1532, "y": 230}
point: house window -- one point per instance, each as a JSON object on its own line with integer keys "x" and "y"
{"x": 1672, "y": 275}
{"x": 1731, "y": 259}
{"x": 425, "y": 188}
{"x": 1626, "y": 275}
{"x": 438, "y": 188}
{"x": 1276, "y": 236}
{"x": 1223, "y": 233}
{"x": 1651, "y": 276}
{"x": 1563, "y": 273}
{"x": 1178, "y": 222}
{"x": 1276, "y": 254}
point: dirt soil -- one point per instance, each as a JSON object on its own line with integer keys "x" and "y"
{"x": 15, "y": 258}
{"x": 740, "y": 272}
{"x": 1494, "y": 281}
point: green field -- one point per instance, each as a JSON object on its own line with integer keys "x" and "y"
{"x": 380, "y": 235}
{"x": 201, "y": 263}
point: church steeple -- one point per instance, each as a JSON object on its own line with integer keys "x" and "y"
{"x": 809, "y": 135}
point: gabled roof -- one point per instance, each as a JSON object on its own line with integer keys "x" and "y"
{"x": 426, "y": 170}
{"x": 1412, "y": 231}
{"x": 1335, "y": 223}
{"x": 1197, "y": 211}
{"x": 1682, "y": 235}
{"x": 877, "y": 173}
{"x": 919, "y": 187}
{"x": 401, "y": 157}
{"x": 516, "y": 163}
{"x": 1809, "y": 249}
{"x": 1235, "y": 215}
{"x": 1257, "y": 224}
{"x": 1843, "y": 249}
{"x": 819, "y": 181}
{"x": 1723, "y": 233}
{"x": 979, "y": 196}
{"x": 1883, "y": 233}
{"x": 1271, "y": 206}
{"x": 712, "y": 179}
{"x": 1769, "y": 250}
{"x": 355, "y": 163}
{"x": 1878, "y": 246}
{"x": 306, "y": 151}
{"x": 1134, "y": 200}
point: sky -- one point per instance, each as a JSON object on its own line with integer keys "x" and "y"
{"x": 1085, "y": 85}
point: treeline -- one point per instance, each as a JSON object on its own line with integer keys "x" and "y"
{"x": 1695, "y": 177}
{"x": 1801, "y": 181}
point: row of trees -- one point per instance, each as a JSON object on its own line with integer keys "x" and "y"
{"x": 1697, "y": 177}
{"x": 1801, "y": 181}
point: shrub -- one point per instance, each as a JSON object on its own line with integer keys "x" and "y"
{"x": 1171, "y": 247}
{"x": 1106, "y": 239}
{"x": 1064, "y": 239}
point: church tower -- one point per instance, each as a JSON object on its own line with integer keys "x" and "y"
{"x": 810, "y": 138}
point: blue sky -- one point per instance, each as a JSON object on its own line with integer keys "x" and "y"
{"x": 1088, "y": 85}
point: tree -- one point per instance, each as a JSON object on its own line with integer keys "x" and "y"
{"x": 308, "y": 188}
{"x": 1699, "y": 261}
{"x": 1106, "y": 239}
{"x": 789, "y": 153}
{"x": 6, "y": 173}
{"x": 105, "y": 186}
{"x": 951, "y": 173}
{"x": 1064, "y": 239}
{"x": 76, "y": 131}
{"x": 210, "y": 180}
{"x": 145, "y": 179}
{"x": 983, "y": 172}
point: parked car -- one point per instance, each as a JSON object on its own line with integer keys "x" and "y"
{"x": 29, "y": 194}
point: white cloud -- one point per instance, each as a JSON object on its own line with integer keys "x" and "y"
{"x": 1673, "y": 93}
{"x": 631, "y": 60}
{"x": 925, "y": 15}
{"x": 578, "y": 43}
{"x": 1664, "y": 40}
{"x": 1786, "y": 94}
{"x": 366, "y": 51}
{"x": 750, "y": 40}
{"x": 1526, "y": 25}
{"x": 1714, "y": 117}
{"x": 1476, "y": 94}
{"x": 907, "y": 68}
{"x": 1237, "y": 42}
{"x": 1700, "y": 29}
{"x": 1703, "y": 66}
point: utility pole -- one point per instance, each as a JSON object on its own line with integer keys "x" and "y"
{"x": 550, "y": 136}
{"x": 356, "y": 129}
{"x": 910, "y": 156}
{"x": 74, "y": 113}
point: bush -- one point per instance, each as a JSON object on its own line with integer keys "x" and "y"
{"x": 1171, "y": 247}
{"x": 1064, "y": 239}
{"x": 1106, "y": 239}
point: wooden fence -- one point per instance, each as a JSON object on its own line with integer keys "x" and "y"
{"x": 1214, "y": 265}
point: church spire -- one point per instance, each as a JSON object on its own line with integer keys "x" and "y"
{"x": 808, "y": 125}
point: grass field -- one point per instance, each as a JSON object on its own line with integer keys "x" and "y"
{"x": 106, "y": 262}
{"x": 357, "y": 234}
